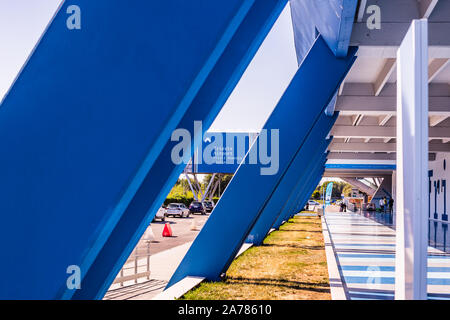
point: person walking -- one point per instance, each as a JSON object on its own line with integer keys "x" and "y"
{"x": 381, "y": 202}
{"x": 391, "y": 205}
{"x": 385, "y": 204}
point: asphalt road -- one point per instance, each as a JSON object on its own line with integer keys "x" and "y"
{"x": 181, "y": 229}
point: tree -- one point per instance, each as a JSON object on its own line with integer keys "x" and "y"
{"x": 339, "y": 188}
{"x": 224, "y": 181}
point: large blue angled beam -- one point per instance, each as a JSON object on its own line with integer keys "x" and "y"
{"x": 312, "y": 186}
{"x": 304, "y": 195}
{"x": 298, "y": 110}
{"x": 304, "y": 185}
{"x": 299, "y": 189}
{"x": 333, "y": 19}
{"x": 307, "y": 155}
{"x": 164, "y": 173}
{"x": 308, "y": 188}
{"x": 86, "y": 120}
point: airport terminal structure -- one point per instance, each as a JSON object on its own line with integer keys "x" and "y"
{"x": 87, "y": 133}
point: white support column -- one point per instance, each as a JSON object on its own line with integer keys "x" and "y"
{"x": 194, "y": 192}
{"x": 205, "y": 195}
{"x": 412, "y": 164}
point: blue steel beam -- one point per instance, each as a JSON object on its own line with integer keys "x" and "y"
{"x": 86, "y": 120}
{"x": 304, "y": 194}
{"x": 308, "y": 189}
{"x": 299, "y": 189}
{"x": 164, "y": 173}
{"x": 312, "y": 186}
{"x": 298, "y": 110}
{"x": 308, "y": 155}
{"x": 304, "y": 186}
{"x": 333, "y": 19}
{"x": 289, "y": 206}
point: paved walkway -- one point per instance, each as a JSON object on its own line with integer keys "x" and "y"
{"x": 162, "y": 266}
{"x": 365, "y": 252}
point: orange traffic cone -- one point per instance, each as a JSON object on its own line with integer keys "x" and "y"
{"x": 167, "y": 232}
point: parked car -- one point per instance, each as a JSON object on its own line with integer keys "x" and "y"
{"x": 209, "y": 205}
{"x": 177, "y": 210}
{"x": 160, "y": 214}
{"x": 197, "y": 207}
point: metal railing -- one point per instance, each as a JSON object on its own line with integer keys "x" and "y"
{"x": 137, "y": 266}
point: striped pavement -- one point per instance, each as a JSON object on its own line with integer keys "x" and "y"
{"x": 365, "y": 254}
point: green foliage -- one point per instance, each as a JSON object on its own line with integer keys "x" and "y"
{"x": 181, "y": 193}
{"x": 338, "y": 189}
{"x": 316, "y": 195}
{"x": 224, "y": 181}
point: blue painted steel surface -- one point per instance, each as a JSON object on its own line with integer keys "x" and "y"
{"x": 312, "y": 186}
{"x": 85, "y": 121}
{"x": 302, "y": 186}
{"x": 234, "y": 146}
{"x": 164, "y": 172}
{"x": 333, "y": 19}
{"x": 307, "y": 187}
{"x": 305, "y": 99}
{"x": 311, "y": 151}
{"x": 304, "y": 196}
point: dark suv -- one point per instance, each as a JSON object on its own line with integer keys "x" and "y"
{"x": 197, "y": 207}
{"x": 209, "y": 205}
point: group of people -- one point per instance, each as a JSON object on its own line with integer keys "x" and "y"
{"x": 387, "y": 206}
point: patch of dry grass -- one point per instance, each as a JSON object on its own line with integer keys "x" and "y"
{"x": 291, "y": 264}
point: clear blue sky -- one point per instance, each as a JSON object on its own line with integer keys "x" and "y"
{"x": 23, "y": 21}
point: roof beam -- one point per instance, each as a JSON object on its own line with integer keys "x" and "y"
{"x": 426, "y": 7}
{"x": 385, "y": 74}
{"x": 392, "y": 34}
{"x": 360, "y": 156}
{"x": 382, "y": 120}
{"x": 362, "y": 10}
{"x": 356, "y": 119}
{"x": 374, "y": 106}
{"x": 368, "y": 156}
{"x": 364, "y": 132}
{"x": 435, "y": 120}
{"x": 341, "y": 87}
{"x": 380, "y": 147}
{"x": 436, "y": 66}
{"x": 356, "y": 173}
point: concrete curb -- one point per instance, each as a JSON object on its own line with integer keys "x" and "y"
{"x": 336, "y": 285}
{"x": 188, "y": 283}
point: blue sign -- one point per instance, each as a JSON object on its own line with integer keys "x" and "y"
{"x": 222, "y": 152}
{"x": 328, "y": 193}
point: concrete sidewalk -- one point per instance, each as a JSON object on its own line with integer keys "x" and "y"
{"x": 162, "y": 266}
